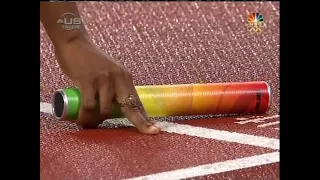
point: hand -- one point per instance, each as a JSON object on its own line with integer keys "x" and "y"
{"x": 98, "y": 75}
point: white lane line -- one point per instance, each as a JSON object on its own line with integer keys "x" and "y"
{"x": 45, "y": 107}
{"x": 202, "y": 132}
{"x": 214, "y": 168}
{"x": 256, "y": 120}
{"x": 210, "y": 134}
{"x": 221, "y": 135}
{"x": 269, "y": 124}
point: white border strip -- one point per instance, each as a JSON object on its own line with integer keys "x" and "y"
{"x": 214, "y": 168}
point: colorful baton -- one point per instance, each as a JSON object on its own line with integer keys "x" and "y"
{"x": 181, "y": 100}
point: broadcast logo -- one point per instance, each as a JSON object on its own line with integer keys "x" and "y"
{"x": 255, "y": 23}
{"x": 69, "y": 21}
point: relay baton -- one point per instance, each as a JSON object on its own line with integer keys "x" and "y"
{"x": 180, "y": 100}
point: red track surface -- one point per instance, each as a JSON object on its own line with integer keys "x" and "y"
{"x": 166, "y": 43}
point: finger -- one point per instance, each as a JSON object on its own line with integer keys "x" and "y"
{"x": 88, "y": 93}
{"x": 143, "y": 111}
{"x": 141, "y": 107}
{"x": 106, "y": 95}
{"x": 88, "y": 112}
{"x": 124, "y": 89}
{"x": 93, "y": 118}
{"x": 139, "y": 121}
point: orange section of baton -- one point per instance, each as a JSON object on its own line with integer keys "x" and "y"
{"x": 211, "y": 98}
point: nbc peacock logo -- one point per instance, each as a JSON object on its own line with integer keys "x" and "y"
{"x": 255, "y": 23}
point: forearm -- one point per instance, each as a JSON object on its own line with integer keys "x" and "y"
{"x": 51, "y": 12}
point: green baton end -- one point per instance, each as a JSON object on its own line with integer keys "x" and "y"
{"x": 66, "y": 104}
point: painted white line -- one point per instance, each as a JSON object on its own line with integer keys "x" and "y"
{"x": 209, "y": 133}
{"x": 220, "y": 135}
{"x": 257, "y": 120}
{"x": 214, "y": 168}
{"x": 249, "y": 117}
{"x": 203, "y": 132}
{"x": 269, "y": 124}
{"x": 45, "y": 107}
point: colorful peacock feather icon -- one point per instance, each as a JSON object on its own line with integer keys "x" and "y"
{"x": 255, "y": 21}
{"x": 255, "y": 18}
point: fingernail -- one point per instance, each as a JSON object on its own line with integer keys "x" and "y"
{"x": 153, "y": 123}
{"x": 153, "y": 130}
{"x": 157, "y": 127}
{"x": 80, "y": 127}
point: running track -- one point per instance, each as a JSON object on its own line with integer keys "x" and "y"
{"x": 167, "y": 43}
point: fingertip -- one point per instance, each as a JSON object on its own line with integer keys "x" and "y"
{"x": 153, "y": 123}
{"x": 105, "y": 112}
{"x": 83, "y": 118}
{"x": 79, "y": 125}
{"x": 140, "y": 122}
{"x": 151, "y": 130}
{"x": 157, "y": 127}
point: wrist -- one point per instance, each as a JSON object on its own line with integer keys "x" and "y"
{"x": 70, "y": 37}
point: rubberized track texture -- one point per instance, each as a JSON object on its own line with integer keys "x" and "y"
{"x": 170, "y": 43}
